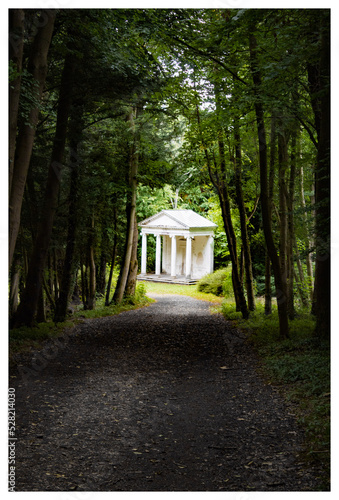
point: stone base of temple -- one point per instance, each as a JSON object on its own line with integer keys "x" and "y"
{"x": 167, "y": 278}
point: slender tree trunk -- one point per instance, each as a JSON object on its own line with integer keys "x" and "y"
{"x": 242, "y": 264}
{"x": 282, "y": 162}
{"x": 226, "y": 214}
{"x": 28, "y": 306}
{"x": 272, "y": 162}
{"x": 226, "y": 211}
{"x": 92, "y": 274}
{"x": 231, "y": 238}
{"x": 68, "y": 267}
{"x": 101, "y": 278}
{"x": 264, "y": 195}
{"x": 16, "y": 47}
{"x": 37, "y": 66}
{"x": 133, "y": 171}
{"x": 243, "y": 219}
{"x": 290, "y": 225}
{"x": 221, "y": 188}
{"x": 48, "y": 293}
{"x": 133, "y": 269}
{"x": 55, "y": 276}
{"x": 49, "y": 282}
{"x": 84, "y": 284}
{"x": 114, "y": 255}
{"x": 268, "y": 286}
{"x": 109, "y": 282}
{"x": 308, "y": 257}
{"x": 14, "y": 287}
{"x": 236, "y": 292}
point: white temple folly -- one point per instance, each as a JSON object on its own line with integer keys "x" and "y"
{"x": 184, "y": 246}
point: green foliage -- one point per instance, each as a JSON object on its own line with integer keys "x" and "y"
{"x": 13, "y": 72}
{"x": 219, "y": 283}
{"x": 25, "y": 338}
{"x": 300, "y": 366}
{"x": 139, "y": 297}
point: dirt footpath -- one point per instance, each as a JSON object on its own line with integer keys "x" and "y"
{"x": 164, "y": 398}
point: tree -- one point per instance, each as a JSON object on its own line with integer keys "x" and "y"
{"x": 75, "y": 133}
{"x": 280, "y": 284}
{"x": 243, "y": 217}
{"x": 37, "y": 69}
{"x": 134, "y": 113}
{"x": 322, "y": 183}
{"x": 16, "y": 47}
{"x": 29, "y": 301}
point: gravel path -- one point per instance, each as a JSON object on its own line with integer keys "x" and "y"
{"x": 164, "y": 398}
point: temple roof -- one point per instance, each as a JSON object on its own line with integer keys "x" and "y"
{"x": 175, "y": 219}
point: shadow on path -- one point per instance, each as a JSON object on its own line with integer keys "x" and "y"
{"x": 164, "y": 398}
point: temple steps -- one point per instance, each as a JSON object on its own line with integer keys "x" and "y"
{"x": 166, "y": 278}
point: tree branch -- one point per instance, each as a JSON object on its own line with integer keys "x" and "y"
{"x": 212, "y": 58}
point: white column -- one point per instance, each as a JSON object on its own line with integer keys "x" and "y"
{"x": 143, "y": 253}
{"x": 173, "y": 255}
{"x": 158, "y": 256}
{"x": 210, "y": 244}
{"x": 188, "y": 256}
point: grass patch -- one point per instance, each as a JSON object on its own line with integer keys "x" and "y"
{"x": 300, "y": 365}
{"x": 24, "y": 337}
{"x": 189, "y": 290}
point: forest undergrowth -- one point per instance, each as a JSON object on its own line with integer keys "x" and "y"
{"x": 24, "y": 338}
{"x": 298, "y": 366}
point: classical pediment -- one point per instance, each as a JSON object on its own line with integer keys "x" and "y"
{"x": 177, "y": 219}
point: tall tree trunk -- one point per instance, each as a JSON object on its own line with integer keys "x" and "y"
{"x": 133, "y": 268}
{"x": 243, "y": 219}
{"x": 231, "y": 240}
{"x": 110, "y": 277}
{"x": 133, "y": 171}
{"x": 308, "y": 257}
{"x": 114, "y": 255}
{"x": 221, "y": 188}
{"x": 16, "y": 48}
{"x": 55, "y": 275}
{"x": 226, "y": 210}
{"x": 37, "y": 66}
{"x": 264, "y": 194}
{"x": 28, "y": 306}
{"x": 282, "y": 163}
{"x": 14, "y": 286}
{"x": 301, "y": 282}
{"x": 290, "y": 225}
{"x": 268, "y": 287}
{"x": 92, "y": 274}
{"x": 84, "y": 283}
{"x": 322, "y": 192}
{"x": 230, "y": 234}
{"x": 101, "y": 278}
{"x": 76, "y": 128}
